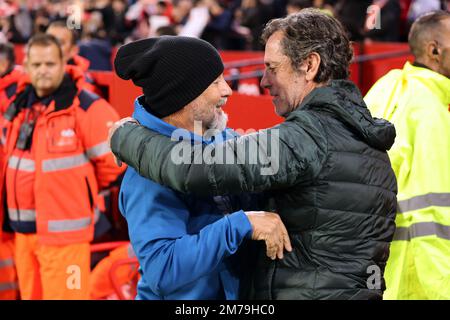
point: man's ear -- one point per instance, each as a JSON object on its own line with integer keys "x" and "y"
{"x": 432, "y": 51}
{"x": 311, "y": 66}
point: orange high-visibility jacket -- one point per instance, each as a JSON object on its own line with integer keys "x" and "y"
{"x": 81, "y": 63}
{"x": 71, "y": 163}
{"x": 8, "y": 87}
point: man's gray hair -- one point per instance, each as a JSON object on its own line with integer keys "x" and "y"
{"x": 311, "y": 30}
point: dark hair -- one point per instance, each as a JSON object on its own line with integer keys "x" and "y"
{"x": 43, "y": 40}
{"x": 310, "y": 30}
{"x": 7, "y": 50}
{"x": 424, "y": 27}
{"x": 63, "y": 24}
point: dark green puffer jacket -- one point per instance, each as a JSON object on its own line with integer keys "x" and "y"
{"x": 334, "y": 190}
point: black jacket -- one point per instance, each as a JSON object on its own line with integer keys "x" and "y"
{"x": 332, "y": 185}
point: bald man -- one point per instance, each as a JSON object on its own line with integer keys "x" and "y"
{"x": 416, "y": 99}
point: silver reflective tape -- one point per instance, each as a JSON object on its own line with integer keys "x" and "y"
{"x": 8, "y": 286}
{"x": 424, "y": 201}
{"x": 421, "y": 229}
{"x": 6, "y": 263}
{"x": 98, "y": 150}
{"x": 68, "y": 225}
{"x": 64, "y": 163}
{"x": 21, "y": 164}
{"x": 22, "y": 215}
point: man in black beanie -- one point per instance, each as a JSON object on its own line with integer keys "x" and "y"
{"x": 185, "y": 245}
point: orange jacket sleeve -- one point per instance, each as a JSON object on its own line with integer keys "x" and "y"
{"x": 94, "y": 127}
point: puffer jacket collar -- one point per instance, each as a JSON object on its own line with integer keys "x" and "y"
{"x": 343, "y": 99}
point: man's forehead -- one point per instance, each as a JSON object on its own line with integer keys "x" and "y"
{"x": 445, "y": 29}
{"x": 60, "y": 33}
{"x": 38, "y": 52}
{"x": 273, "y": 52}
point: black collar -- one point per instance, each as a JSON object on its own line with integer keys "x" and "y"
{"x": 420, "y": 65}
{"x": 63, "y": 96}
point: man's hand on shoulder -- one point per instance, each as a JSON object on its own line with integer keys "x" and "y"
{"x": 113, "y": 129}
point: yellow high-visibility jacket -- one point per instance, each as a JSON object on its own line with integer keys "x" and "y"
{"x": 417, "y": 101}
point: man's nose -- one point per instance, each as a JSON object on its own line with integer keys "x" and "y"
{"x": 264, "y": 82}
{"x": 226, "y": 90}
{"x": 42, "y": 69}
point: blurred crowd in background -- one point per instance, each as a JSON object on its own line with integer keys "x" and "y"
{"x": 227, "y": 24}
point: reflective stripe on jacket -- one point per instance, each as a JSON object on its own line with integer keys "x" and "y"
{"x": 416, "y": 100}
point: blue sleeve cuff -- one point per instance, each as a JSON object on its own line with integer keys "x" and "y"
{"x": 240, "y": 221}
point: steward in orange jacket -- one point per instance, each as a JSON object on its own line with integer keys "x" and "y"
{"x": 57, "y": 161}
{"x": 9, "y": 77}
{"x": 8, "y": 86}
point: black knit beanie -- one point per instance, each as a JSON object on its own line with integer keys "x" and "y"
{"x": 171, "y": 70}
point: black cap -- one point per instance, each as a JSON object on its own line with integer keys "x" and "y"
{"x": 171, "y": 70}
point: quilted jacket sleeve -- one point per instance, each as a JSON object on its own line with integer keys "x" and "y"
{"x": 289, "y": 154}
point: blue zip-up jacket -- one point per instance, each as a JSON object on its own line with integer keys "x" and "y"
{"x": 183, "y": 243}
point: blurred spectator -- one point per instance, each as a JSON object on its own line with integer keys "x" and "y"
{"x": 254, "y": 14}
{"x": 404, "y": 25}
{"x": 161, "y": 17}
{"x": 197, "y": 19}
{"x": 420, "y": 7}
{"x": 95, "y": 45}
{"x": 219, "y": 31}
{"x": 279, "y": 8}
{"x": 68, "y": 41}
{"x": 142, "y": 29}
{"x": 23, "y": 21}
{"x": 41, "y": 20}
{"x": 352, "y": 14}
{"x": 383, "y": 21}
{"x": 122, "y": 27}
{"x": 293, "y": 6}
{"x": 181, "y": 10}
{"x": 9, "y": 76}
{"x": 324, "y": 6}
{"x": 8, "y": 28}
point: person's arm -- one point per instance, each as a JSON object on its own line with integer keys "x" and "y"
{"x": 169, "y": 256}
{"x": 94, "y": 126}
{"x": 286, "y": 155}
